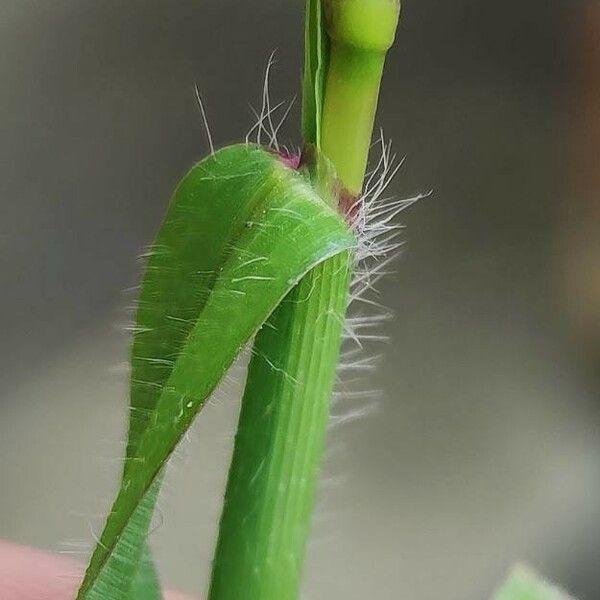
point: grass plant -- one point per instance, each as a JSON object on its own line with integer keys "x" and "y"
{"x": 265, "y": 248}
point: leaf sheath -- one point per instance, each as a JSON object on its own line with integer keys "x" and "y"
{"x": 278, "y": 446}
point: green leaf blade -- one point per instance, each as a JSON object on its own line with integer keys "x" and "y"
{"x": 241, "y": 231}
{"x": 524, "y": 584}
{"x": 146, "y": 584}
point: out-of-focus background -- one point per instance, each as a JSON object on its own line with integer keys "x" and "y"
{"x": 485, "y": 447}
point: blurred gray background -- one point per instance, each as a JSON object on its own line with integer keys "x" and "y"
{"x": 484, "y": 449}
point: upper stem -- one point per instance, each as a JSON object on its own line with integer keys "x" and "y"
{"x": 349, "y": 111}
{"x": 361, "y": 32}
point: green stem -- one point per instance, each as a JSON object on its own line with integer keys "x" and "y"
{"x": 350, "y": 100}
{"x": 269, "y": 498}
{"x": 361, "y": 32}
{"x": 277, "y": 451}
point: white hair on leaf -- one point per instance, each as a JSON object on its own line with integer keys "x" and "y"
{"x": 209, "y": 138}
{"x": 270, "y": 119}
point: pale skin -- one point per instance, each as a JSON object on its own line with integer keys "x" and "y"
{"x": 31, "y": 574}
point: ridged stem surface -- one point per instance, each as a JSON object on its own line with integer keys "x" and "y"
{"x": 278, "y": 445}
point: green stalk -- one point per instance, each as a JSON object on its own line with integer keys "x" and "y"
{"x": 274, "y": 471}
{"x": 361, "y": 32}
{"x": 278, "y": 444}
